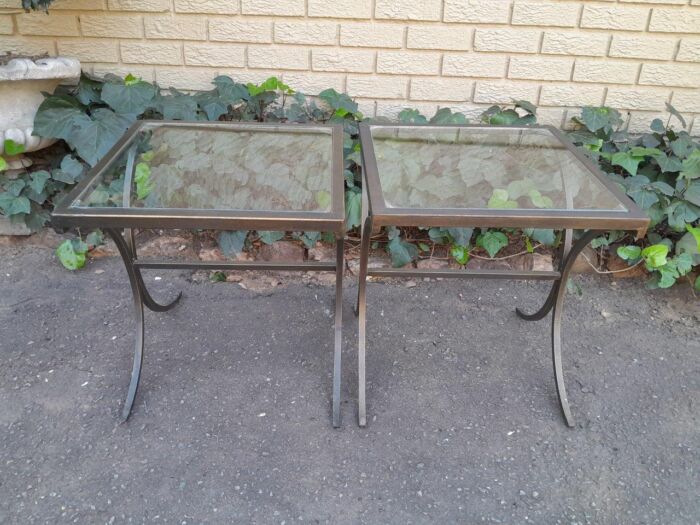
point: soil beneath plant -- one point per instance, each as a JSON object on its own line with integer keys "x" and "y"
{"x": 232, "y": 420}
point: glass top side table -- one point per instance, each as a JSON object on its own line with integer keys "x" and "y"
{"x": 215, "y": 175}
{"x": 486, "y": 176}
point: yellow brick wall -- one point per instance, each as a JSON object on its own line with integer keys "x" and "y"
{"x": 634, "y": 55}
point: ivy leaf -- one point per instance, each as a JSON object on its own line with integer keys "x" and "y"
{"x": 697, "y": 284}
{"x": 411, "y": 116}
{"x": 15, "y": 187}
{"x": 629, "y": 253}
{"x": 3, "y": 164}
{"x": 95, "y": 238}
{"x": 684, "y": 263}
{"x": 437, "y": 235}
{"x": 142, "y": 175}
{"x": 539, "y": 200}
{"x": 270, "y": 237}
{"x": 692, "y": 193}
{"x": 88, "y": 90}
{"x": 658, "y": 126}
{"x": 445, "y": 116}
{"x": 459, "y": 253}
{"x": 601, "y": 118}
{"x": 460, "y": 236}
{"x": 492, "y": 241}
{"x": 543, "y": 236}
{"x": 662, "y": 187}
{"x": 668, "y": 164}
{"x": 681, "y": 213}
{"x": 337, "y": 101}
{"x": 12, "y": 148}
{"x": 95, "y": 136}
{"x": 691, "y": 166}
{"x": 626, "y": 160}
{"x": 70, "y": 171}
{"x": 683, "y": 145}
{"x": 401, "y": 252}
{"x": 57, "y": 115}
{"x": 695, "y": 232}
{"x": 655, "y": 255}
{"x": 14, "y": 205}
{"x": 132, "y": 96}
{"x": 499, "y": 199}
{"x": 353, "y": 209}
{"x": 71, "y": 254}
{"x": 310, "y": 238}
{"x": 38, "y": 180}
{"x": 176, "y": 106}
{"x": 527, "y": 106}
{"x": 232, "y": 242}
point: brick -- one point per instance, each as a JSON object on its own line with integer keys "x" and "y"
{"x": 312, "y": 33}
{"x": 689, "y": 50}
{"x": 504, "y": 92}
{"x": 629, "y": 46}
{"x": 408, "y": 9}
{"x": 214, "y": 7}
{"x": 368, "y": 108}
{"x": 453, "y": 38}
{"x": 470, "y": 110}
{"x": 89, "y": 50}
{"x": 682, "y": 75}
{"x": 686, "y": 101}
{"x": 477, "y": 11}
{"x": 214, "y": 55}
{"x": 151, "y": 53}
{"x": 545, "y": 14}
{"x": 85, "y": 5}
{"x": 191, "y": 79}
{"x": 639, "y": 121}
{"x": 273, "y": 7}
{"x": 675, "y": 20}
{"x": 27, "y": 46}
{"x": 637, "y": 98}
{"x": 474, "y": 65}
{"x": 551, "y": 116}
{"x": 144, "y": 72}
{"x": 392, "y": 109}
{"x": 609, "y": 17}
{"x": 513, "y": 40}
{"x": 139, "y": 5}
{"x": 278, "y": 57}
{"x": 670, "y": 2}
{"x": 371, "y": 35}
{"x": 606, "y": 71}
{"x": 117, "y": 26}
{"x": 571, "y": 95}
{"x": 402, "y": 62}
{"x": 176, "y": 27}
{"x": 314, "y": 83}
{"x": 341, "y": 8}
{"x": 342, "y": 60}
{"x": 377, "y": 87}
{"x": 42, "y": 25}
{"x": 448, "y": 89}
{"x": 232, "y": 30}
{"x": 566, "y": 43}
{"x": 7, "y": 27}
{"x": 250, "y": 75}
{"x": 540, "y": 68}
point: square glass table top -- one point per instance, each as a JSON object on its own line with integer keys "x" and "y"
{"x": 237, "y": 169}
{"x": 490, "y": 170}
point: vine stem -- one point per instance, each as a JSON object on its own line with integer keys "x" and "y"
{"x": 603, "y": 272}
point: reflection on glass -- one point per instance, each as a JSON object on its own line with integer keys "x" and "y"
{"x": 220, "y": 168}
{"x": 483, "y": 168}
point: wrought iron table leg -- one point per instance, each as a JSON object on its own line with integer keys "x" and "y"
{"x": 549, "y": 302}
{"x": 566, "y": 265}
{"x": 148, "y": 300}
{"x": 337, "y": 355}
{"x": 362, "y": 313}
{"x": 127, "y": 256}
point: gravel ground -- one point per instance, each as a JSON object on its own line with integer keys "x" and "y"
{"x": 232, "y": 420}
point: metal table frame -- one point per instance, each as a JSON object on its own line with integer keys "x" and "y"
{"x": 120, "y": 223}
{"x": 375, "y": 214}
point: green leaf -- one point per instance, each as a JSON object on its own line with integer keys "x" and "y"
{"x": 527, "y": 106}
{"x": 492, "y": 241}
{"x": 629, "y": 253}
{"x": 232, "y": 242}
{"x": 423, "y": 247}
{"x": 681, "y": 213}
{"x": 217, "y": 277}
{"x": 57, "y": 116}
{"x": 690, "y": 169}
{"x": 695, "y": 232}
{"x": 38, "y": 180}
{"x": 460, "y": 236}
{"x": 411, "y": 116}
{"x": 95, "y": 136}
{"x": 70, "y": 171}
{"x": 176, "y": 106}
{"x": 95, "y": 238}
{"x": 3, "y": 164}
{"x": 12, "y": 148}
{"x": 601, "y": 118}
{"x": 459, "y": 253}
{"x": 338, "y": 101}
{"x": 437, "y": 235}
{"x": 673, "y": 111}
{"x": 401, "y": 252}
{"x": 131, "y": 97}
{"x": 445, "y": 116}
{"x": 684, "y": 263}
{"x": 683, "y": 145}
{"x": 270, "y": 237}
{"x": 142, "y": 175}
{"x": 14, "y": 205}
{"x": 692, "y": 193}
{"x": 353, "y": 209}
{"x": 499, "y": 199}
{"x": 71, "y": 258}
{"x": 658, "y": 125}
{"x": 697, "y": 284}
{"x": 323, "y": 199}
{"x": 88, "y": 90}
{"x": 310, "y": 238}
{"x": 662, "y": 187}
{"x": 539, "y": 200}
{"x": 655, "y": 255}
{"x": 543, "y": 236}
{"x": 626, "y": 160}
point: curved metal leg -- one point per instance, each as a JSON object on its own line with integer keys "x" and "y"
{"x": 125, "y": 252}
{"x": 148, "y": 300}
{"x": 337, "y": 355}
{"x": 549, "y": 302}
{"x": 556, "y": 322}
{"x": 362, "y": 313}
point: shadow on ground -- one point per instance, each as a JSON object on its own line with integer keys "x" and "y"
{"x": 232, "y": 420}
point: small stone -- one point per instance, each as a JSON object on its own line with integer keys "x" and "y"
{"x": 410, "y": 284}
{"x": 282, "y": 251}
{"x": 432, "y": 264}
{"x": 211, "y": 254}
{"x": 322, "y": 252}
{"x": 542, "y": 262}
{"x": 605, "y": 314}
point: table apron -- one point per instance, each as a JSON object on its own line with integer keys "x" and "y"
{"x": 465, "y": 274}
{"x": 311, "y": 266}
